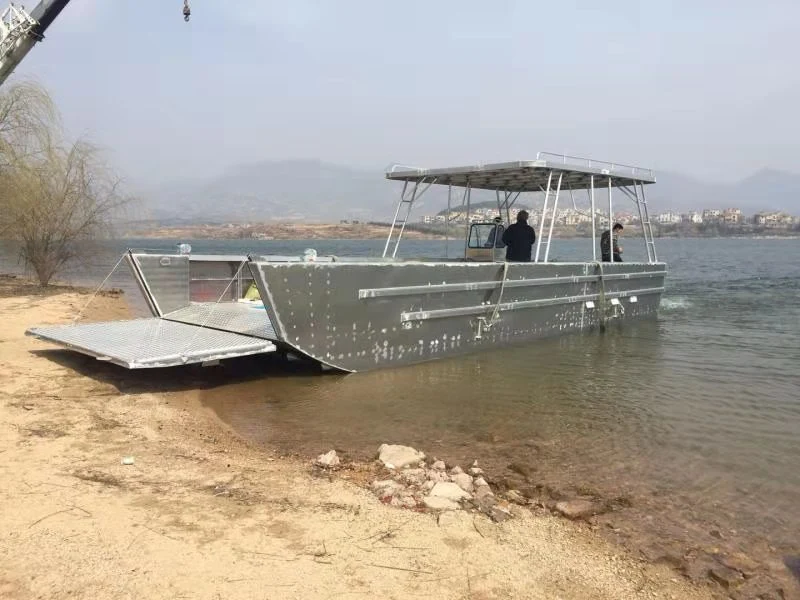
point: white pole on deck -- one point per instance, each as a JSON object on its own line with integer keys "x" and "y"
{"x": 641, "y": 220}
{"x": 468, "y": 194}
{"x": 544, "y": 214}
{"x": 594, "y": 226}
{"x": 553, "y": 220}
{"x": 610, "y": 221}
{"x": 649, "y": 227}
{"x": 394, "y": 221}
{"x": 447, "y": 223}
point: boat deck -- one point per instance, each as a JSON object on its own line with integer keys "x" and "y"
{"x": 238, "y": 317}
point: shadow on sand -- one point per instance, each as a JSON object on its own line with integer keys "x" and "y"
{"x": 183, "y": 378}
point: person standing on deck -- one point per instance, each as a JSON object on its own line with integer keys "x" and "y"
{"x": 606, "y": 243}
{"x": 519, "y": 239}
{"x": 491, "y": 240}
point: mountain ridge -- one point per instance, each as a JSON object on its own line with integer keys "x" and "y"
{"x": 313, "y": 190}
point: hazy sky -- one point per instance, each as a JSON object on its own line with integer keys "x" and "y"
{"x": 706, "y": 87}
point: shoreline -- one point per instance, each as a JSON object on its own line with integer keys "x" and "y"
{"x": 378, "y": 231}
{"x": 202, "y": 512}
{"x": 202, "y": 504}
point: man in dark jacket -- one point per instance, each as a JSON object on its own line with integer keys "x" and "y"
{"x": 606, "y": 244}
{"x": 519, "y": 239}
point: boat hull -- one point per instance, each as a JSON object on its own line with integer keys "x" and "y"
{"x": 357, "y": 316}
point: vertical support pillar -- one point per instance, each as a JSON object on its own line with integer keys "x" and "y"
{"x": 408, "y": 214}
{"x": 468, "y": 198}
{"x": 594, "y": 226}
{"x": 642, "y": 222}
{"x": 553, "y": 219}
{"x": 544, "y": 214}
{"x": 649, "y": 226}
{"x": 447, "y": 222}
{"x": 396, "y": 213}
{"x": 610, "y": 220}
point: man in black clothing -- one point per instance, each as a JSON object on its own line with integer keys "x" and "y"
{"x": 606, "y": 244}
{"x": 519, "y": 239}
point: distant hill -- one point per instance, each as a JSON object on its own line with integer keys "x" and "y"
{"x": 306, "y": 190}
{"x": 316, "y": 191}
{"x": 762, "y": 191}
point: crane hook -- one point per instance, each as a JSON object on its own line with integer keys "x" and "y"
{"x": 187, "y": 12}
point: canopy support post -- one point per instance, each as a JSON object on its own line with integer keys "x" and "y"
{"x": 610, "y": 221}
{"x": 553, "y": 217}
{"x": 651, "y": 242}
{"x": 416, "y": 194}
{"x": 544, "y": 214}
{"x": 447, "y": 222}
{"x": 506, "y": 204}
{"x": 594, "y": 218}
{"x": 467, "y": 199}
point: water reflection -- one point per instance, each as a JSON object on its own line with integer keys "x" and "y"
{"x": 580, "y": 382}
{"x": 621, "y": 413}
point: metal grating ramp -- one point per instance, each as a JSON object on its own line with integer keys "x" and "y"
{"x": 151, "y": 343}
{"x": 240, "y": 317}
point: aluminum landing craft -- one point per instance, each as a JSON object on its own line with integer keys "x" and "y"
{"x": 356, "y": 314}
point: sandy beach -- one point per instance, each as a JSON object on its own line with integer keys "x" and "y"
{"x": 203, "y": 514}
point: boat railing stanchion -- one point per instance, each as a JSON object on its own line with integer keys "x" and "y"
{"x": 416, "y": 194}
{"x": 467, "y": 200}
{"x": 410, "y": 203}
{"x": 644, "y": 218}
{"x": 642, "y": 222}
{"x": 394, "y": 220}
{"x": 447, "y": 222}
{"x": 649, "y": 225}
{"x": 594, "y": 226}
{"x": 544, "y": 214}
{"x": 610, "y": 222}
{"x": 553, "y": 217}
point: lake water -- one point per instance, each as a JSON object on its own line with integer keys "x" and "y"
{"x": 692, "y": 420}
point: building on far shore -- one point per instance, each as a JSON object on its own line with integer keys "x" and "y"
{"x": 582, "y": 219}
{"x": 668, "y": 218}
{"x": 732, "y": 216}
{"x": 774, "y": 220}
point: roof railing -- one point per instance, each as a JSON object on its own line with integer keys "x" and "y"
{"x": 394, "y": 167}
{"x": 580, "y": 161}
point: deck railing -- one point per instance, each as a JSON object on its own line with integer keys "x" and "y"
{"x": 591, "y": 163}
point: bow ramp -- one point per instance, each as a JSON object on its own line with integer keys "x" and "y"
{"x": 204, "y": 309}
{"x": 152, "y": 342}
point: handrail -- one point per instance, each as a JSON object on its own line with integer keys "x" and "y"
{"x": 395, "y": 166}
{"x": 594, "y": 163}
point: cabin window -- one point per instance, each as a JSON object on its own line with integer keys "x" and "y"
{"x": 486, "y": 235}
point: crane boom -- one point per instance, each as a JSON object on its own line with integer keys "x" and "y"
{"x": 20, "y": 30}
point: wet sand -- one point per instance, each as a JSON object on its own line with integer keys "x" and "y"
{"x": 694, "y": 531}
{"x": 204, "y": 514}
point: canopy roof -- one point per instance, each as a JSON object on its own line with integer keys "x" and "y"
{"x": 529, "y": 175}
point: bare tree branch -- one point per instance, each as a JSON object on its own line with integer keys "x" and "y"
{"x": 54, "y": 196}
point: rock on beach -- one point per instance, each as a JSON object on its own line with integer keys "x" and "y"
{"x": 394, "y": 456}
{"x": 463, "y": 481}
{"x": 327, "y": 460}
{"x": 577, "y": 509}
{"x": 449, "y": 490}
